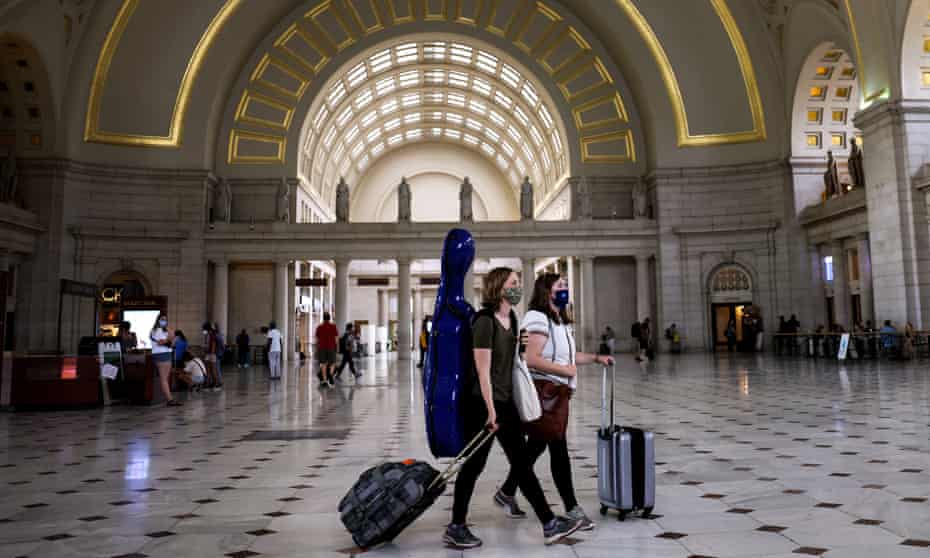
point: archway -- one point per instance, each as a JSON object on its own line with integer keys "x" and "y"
{"x": 730, "y": 297}
{"x": 115, "y": 290}
{"x": 826, "y": 97}
{"x": 915, "y": 52}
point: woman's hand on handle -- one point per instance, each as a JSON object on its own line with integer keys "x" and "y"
{"x": 491, "y": 424}
{"x": 606, "y": 360}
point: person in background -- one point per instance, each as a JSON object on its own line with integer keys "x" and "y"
{"x": 730, "y": 334}
{"x": 274, "y": 351}
{"x": 162, "y": 356}
{"x": 193, "y": 371}
{"x": 889, "y": 333}
{"x": 674, "y": 338}
{"x": 127, "y": 339}
{"x": 327, "y": 343}
{"x": 209, "y": 357}
{"x": 611, "y": 339}
{"x": 424, "y": 341}
{"x": 645, "y": 340}
{"x": 781, "y": 340}
{"x": 242, "y": 348}
{"x": 347, "y": 349}
{"x": 180, "y": 347}
{"x": 489, "y": 404}
{"x": 220, "y": 353}
{"x": 907, "y": 347}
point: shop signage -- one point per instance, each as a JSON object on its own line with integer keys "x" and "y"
{"x": 154, "y": 302}
{"x": 308, "y": 282}
{"x": 111, "y": 294}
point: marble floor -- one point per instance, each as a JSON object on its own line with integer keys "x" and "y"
{"x": 758, "y": 457}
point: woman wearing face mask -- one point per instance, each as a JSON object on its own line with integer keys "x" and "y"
{"x": 161, "y": 356}
{"x": 552, "y": 359}
{"x": 490, "y": 405}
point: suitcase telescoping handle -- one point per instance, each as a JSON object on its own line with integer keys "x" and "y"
{"x": 473, "y": 446}
{"x": 604, "y": 390}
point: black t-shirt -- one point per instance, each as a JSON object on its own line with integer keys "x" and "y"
{"x": 489, "y": 333}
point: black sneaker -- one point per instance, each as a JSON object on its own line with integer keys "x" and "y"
{"x": 174, "y": 403}
{"x": 559, "y": 528}
{"x": 461, "y": 537}
{"x": 509, "y": 503}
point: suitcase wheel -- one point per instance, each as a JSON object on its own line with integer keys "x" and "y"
{"x": 603, "y": 510}
{"x": 622, "y": 515}
{"x": 647, "y": 512}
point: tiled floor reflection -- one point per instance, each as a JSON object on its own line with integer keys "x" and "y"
{"x": 759, "y": 457}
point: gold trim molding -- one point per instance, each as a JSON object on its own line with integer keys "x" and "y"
{"x": 92, "y": 131}
{"x": 685, "y": 137}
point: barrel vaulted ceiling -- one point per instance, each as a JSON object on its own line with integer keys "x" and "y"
{"x": 148, "y": 57}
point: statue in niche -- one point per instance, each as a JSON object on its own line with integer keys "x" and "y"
{"x": 585, "y": 210}
{"x": 526, "y": 199}
{"x": 856, "y": 172}
{"x": 222, "y": 202}
{"x": 465, "y": 212}
{"x": 8, "y": 178}
{"x": 640, "y": 199}
{"x": 831, "y": 177}
{"x": 403, "y": 201}
{"x": 284, "y": 201}
{"x": 342, "y": 201}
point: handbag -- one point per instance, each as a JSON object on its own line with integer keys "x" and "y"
{"x": 553, "y": 400}
{"x": 524, "y": 390}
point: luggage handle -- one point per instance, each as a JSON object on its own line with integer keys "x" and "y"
{"x": 473, "y": 446}
{"x": 613, "y": 378}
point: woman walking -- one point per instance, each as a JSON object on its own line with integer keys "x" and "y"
{"x": 552, "y": 358}
{"x": 162, "y": 356}
{"x": 490, "y": 405}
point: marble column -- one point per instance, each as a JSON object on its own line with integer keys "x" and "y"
{"x": 643, "y": 306}
{"x": 865, "y": 279}
{"x": 343, "y": 299}
{"x": 469, "y": 290}
{"x": 280, "y": 302}
{"x": 840, "y": 284}
{"x": 403, "y": 309}
{"x": 529, "y": 279}
{"x": 384, "y": 307}
{"x": 291, "y": 311}
{"x": 588, "y": 317}
{"x": 417, "y": 313}
{"x": 221, "y": 296}
{"x": 818, "y": 312}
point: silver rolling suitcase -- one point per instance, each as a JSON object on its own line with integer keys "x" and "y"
{"x": 626, "y": 470}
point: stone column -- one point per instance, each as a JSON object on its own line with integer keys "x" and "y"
{"x": 642, "y": 288}
{"x": 840, "y": 284}
{"x": 588, "y": 317}
{"x": 403, "y": 309}
{"x": 417, "y": 314}
{"x": 818, "y": 311}
{"x": 343, "y": 300}
{"x": 280, "y": 302}
{"x": 469, "y": 290}
{"x": 384, "y": 307}
{"x": 221, "y": 296}
{"x": 291, "y": 311}
{"x": 529, "y": 279}
{"x": 865, "y": 279}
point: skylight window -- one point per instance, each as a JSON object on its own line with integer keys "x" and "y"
{"x": 369, "y": 118}
{"x": 363, "y": 99}
{"x": 380, "y": 61}
{"x": 412, "y": 118}
{"x": 373, "y": 135}
{"x": 357, "y": 75}
{"x": 338, "y": 152}
{"x": 392, "y": 124}
{"x": 477, "y": 107}
{"x": 336, "y": 93}
{"x": 547, "y": 162}
{"x": 521, "y": 116}
{"x": 320, "y": 117}
{"x": 410, "y": 99}
{"x": 545, "y": 116}
{"x": 454, "y": 117}
{"x": 454, "y": 134}
{"x": 458, "y": 79}
{"x": 486, "y": 62}
{"x": 384, "y": 86}
{"x": 456, "y": 99}
{"x": 414, "y": 134}
{"x": 528, "y": 153}
{"x": 557, "y": 141}
{"x": 363, "y": 162}
{"x": 488, "y": 149}
{"x": 529, "y": 93}
{"x": 492, "y": 135}
{"x": 433, "y": 97}
{"x": 470, "y": 139}
{"x": 435, "y": 131}
{"x": 496, "y": 118}
{"x": 406, "y": 53}
{"x": 534, "y": 133}
{"x": 434, "y": 76}
{"x": 481, "y": 86}
{"x": 389, "y": 106}
{"x": 514, "y": 133}
{"x": 510, "y": 76}
{"x": 328, "y": 138}
{"x": 376, "y": 150}
{"x": 344, "y": 117}
{"x": 409, "y": 78}
{"x": 352, "y": 133}
{"x": 474, "y": 124}
{"x": 506, "y": 147}
{"x": 395, "y": 139}
{"x": 460, "y": 53}
{"x": 435, "y": 51}
{"x": 503, "y": 100}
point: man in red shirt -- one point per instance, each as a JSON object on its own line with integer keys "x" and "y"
{"x": 327, "y": 337}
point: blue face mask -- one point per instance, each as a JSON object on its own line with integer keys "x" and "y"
{"x": 560, "y": 299}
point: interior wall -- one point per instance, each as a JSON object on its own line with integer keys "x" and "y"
{"x": 615, "y": 298}
{"x": 251, "y": 299}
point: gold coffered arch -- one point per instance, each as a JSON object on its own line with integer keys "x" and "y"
{"x": 682, "y": 127}
{"x": 259, "y": 128}
{"x": 92, "y": 130}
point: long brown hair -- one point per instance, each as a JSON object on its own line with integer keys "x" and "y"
{"x": 542, "y": 295}
{"x": 493, "y": 287}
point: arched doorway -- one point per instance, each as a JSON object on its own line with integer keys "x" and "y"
{"x": 116, "y": 290}
{"x": 730, "y": 298}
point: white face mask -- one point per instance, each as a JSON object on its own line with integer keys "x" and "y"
{"x": 204, "y": 332}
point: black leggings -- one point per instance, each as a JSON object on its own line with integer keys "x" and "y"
{"x": 510, "y": 437}
{"x": 561, "y": 465}
{"x": 346, "y": 359}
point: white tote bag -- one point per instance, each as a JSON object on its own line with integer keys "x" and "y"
{"x": 524, "y": 390}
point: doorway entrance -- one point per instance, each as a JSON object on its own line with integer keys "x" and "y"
{"x": 730, "y": 300}
{"x": 722, "y": 314}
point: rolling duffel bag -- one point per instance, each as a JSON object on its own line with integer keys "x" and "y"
{"x": 389, "y": 497}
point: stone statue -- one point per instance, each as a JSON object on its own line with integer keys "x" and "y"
{"x": 640, "y": 199}
{"x": 284, "y": 201}
{"x": 465, "y": 212}
{"x": 8, "y": 178}
{"x": 222, "y": 204}
{"x": 856, "y": 172}
{"x": 831, "y": 177}
{"x": 342, "y": 201}
{"x": 403, "y": 201}
{"x": 585, "y": 210}
{"x": 209, "y": 197}
{"x": 526, "y": 200}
